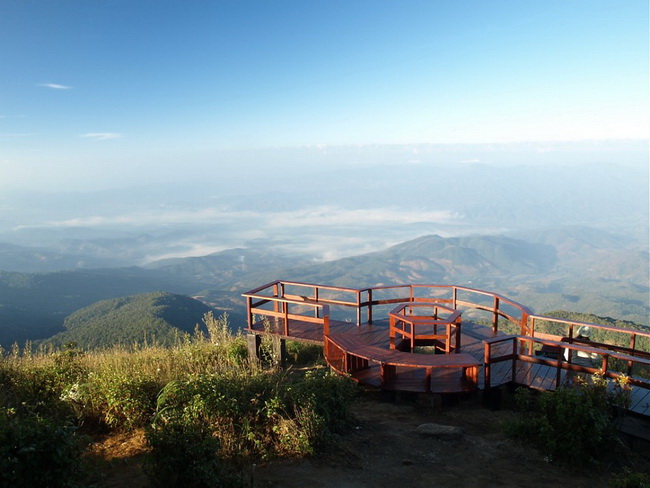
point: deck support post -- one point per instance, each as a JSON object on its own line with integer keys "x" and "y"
{"x": 487, "y": 350}
{"x": 254, "y": 342}
{"x": 283, "y": 353}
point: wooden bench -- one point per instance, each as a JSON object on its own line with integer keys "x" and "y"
{"x": 358, "y": 355}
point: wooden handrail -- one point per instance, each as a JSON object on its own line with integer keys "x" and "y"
{"x": 526, "y": 321}
{"x": 560, "y": 363}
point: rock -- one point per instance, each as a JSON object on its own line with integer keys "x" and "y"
{"x": 437, "y": 431}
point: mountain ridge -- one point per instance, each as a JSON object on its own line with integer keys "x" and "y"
{"x": 604, "y": 278}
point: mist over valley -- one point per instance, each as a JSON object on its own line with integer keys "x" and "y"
{"x": 551, "y": 236}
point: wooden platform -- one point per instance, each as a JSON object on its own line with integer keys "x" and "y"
{"x": 371, "y": 361}
{"x": 476, "y": 357}
{"x": 408, "y": 371}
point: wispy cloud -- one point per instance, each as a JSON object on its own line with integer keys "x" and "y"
{"x": 55, "y": 86}
{"x": 101, "y": 136}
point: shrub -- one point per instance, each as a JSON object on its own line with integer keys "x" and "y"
{"x": 36, "y": 452}
{"x": 630, "y": 479}
{"x": 123, "y": 402}
{"x": 304, "y": 354}
{"x": 33, "y": 388}
{"x": 327, "y": 397}
{"x": 185, "y": 454}
{"x": 260, "y": 413}
{"x": 575, "y": 425}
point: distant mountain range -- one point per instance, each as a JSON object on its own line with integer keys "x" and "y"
{"x": 576, "y": 269}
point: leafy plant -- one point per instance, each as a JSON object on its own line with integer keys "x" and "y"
{"x": 630, "y": 479}
{"x": 124, "y": 402}
{"x": 36, "y": 452}
{"x": 574, "y": 425}
{"x": 185, "y": 454}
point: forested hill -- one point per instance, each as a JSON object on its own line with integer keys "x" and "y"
{"x": 148, "y": 318}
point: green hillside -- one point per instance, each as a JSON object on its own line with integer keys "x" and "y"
{"x": 149, "y": 318}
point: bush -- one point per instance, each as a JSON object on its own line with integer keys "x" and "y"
{"x": 33, "y": 389}
{"x": 260, "y": 414}
{"x": 121, "y": 402}
{"x": 328, "y": 396}
{"x": 36, "y": 452}
{"x": 300, "y": 353}
{"x": 185, "y": 454}
{"x": 630, "y": 479}
{"x": 574, "y": 425}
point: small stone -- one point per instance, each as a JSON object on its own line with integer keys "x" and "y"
{"x": 437, "y": 431}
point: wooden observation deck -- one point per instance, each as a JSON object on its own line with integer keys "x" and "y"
{"x": 433, "y": 338}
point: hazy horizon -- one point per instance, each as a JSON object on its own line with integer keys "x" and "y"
{"x": 141, "y": 130}
{"x": 100, "y": 96}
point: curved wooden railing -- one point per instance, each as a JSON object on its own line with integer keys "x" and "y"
{"x": 457, "y": 297}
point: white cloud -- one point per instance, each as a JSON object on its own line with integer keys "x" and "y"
{"x": 339, "y": 216}
{"x": 55, "y": 86}
{"x": 101, "y": 136}
{"x": 314, "y": 216}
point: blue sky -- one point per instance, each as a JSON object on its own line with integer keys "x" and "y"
{"x": 102, "y": 93}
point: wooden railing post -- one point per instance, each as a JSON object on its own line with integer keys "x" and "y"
{"x": 515, "y": 356}
{"x": 495, "y": 318}
{"x": 392, "y": 332}
{"x": 454, "y": 297}
{"x": 369, "y": 292}
{"x": 249, "y": 313}
{"x": 276, "y": 294}
{"x": 285, "y": 310}
{"x": 630, "y": 364}
{"x": 326, "y": 320}
{"x": 358, "y": 308}
{"x": 558, "y": 372}
{"x": 486, "y": 370}
{"x": 530, "y": 328}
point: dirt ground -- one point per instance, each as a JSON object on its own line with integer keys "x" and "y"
{"x": 385, "y": 450}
